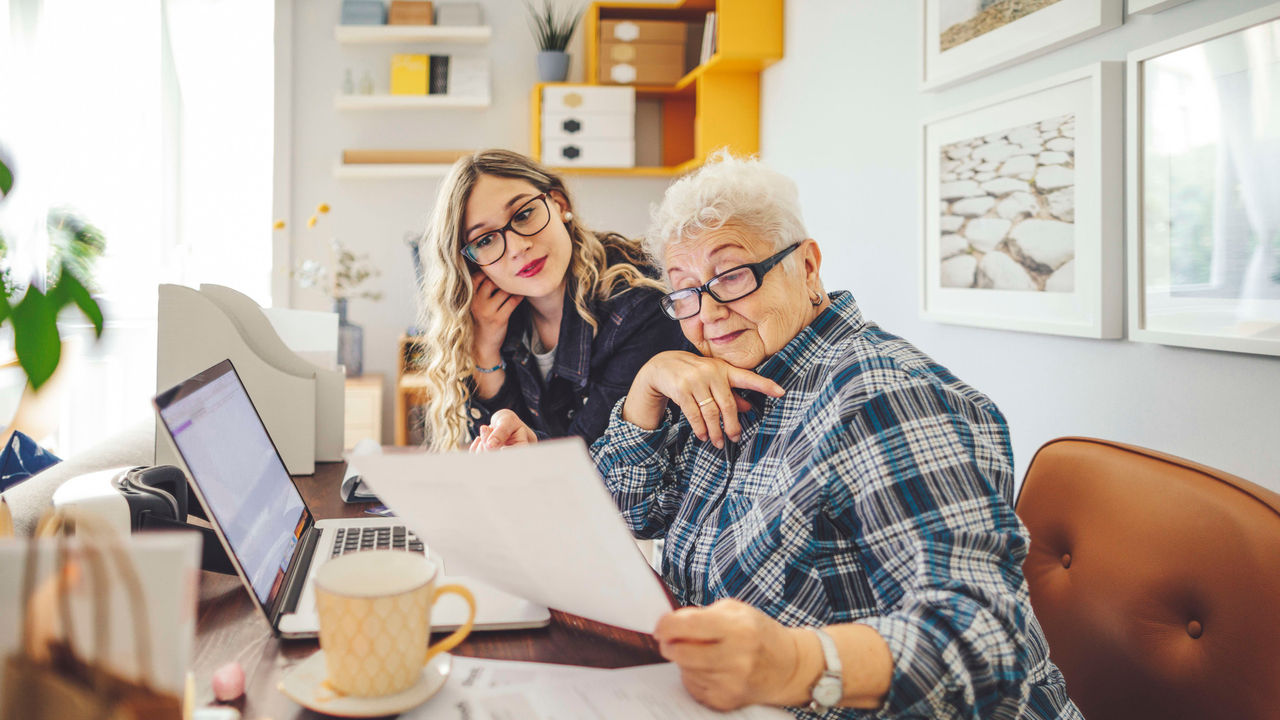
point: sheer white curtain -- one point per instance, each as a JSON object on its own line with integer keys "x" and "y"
{"x": 153, "y": 119}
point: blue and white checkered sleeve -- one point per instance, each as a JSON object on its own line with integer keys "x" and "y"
{"x": 919, "y": 491}
{"x": 640, "y": 469}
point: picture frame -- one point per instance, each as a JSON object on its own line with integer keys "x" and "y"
{"x": 1022, "y": 197}
{"x": 962, "y": 41}
{"x": 1203, "y": 251}
{"x": 1149, "y": 7}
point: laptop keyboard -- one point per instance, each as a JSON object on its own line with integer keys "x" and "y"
{"x": 389, "y": 537}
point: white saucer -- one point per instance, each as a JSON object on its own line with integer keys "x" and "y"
{"x": 304, "y": 685}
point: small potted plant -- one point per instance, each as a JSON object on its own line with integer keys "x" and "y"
{"x": 552, "y": 31}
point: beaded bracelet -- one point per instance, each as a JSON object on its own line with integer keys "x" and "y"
{"x": 500, "y": 366}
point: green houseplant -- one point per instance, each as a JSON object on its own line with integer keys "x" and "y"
{"x": 32, "y": 312}
{"x": 552, "y": 31}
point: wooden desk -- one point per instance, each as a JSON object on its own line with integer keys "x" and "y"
{"x": 230, "y": 628}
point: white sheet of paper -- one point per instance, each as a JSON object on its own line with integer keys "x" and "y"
{"x": 535, "y": 521}
{"x": 504, "y": 690}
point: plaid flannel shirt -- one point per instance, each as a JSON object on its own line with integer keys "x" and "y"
{"x": 878, "y": 489}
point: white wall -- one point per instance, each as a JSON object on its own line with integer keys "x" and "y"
{"x": 842, "y": 115}
{"x": 373, "y": 216}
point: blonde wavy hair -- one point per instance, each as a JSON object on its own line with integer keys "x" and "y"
{"x": 447, "y": 292}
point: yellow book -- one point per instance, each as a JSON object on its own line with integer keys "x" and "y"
{"x": 408, "y": 74}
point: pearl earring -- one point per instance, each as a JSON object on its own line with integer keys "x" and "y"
{"x": 568, "y": 216}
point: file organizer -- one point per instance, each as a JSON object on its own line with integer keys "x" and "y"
{"x": 195, "y": 332}
{"x": 256, "y": 330}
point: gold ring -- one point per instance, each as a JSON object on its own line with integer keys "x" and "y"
{"x": 704, "y": 402}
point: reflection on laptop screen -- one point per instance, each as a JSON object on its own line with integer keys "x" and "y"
{"x": 241, "y": 476}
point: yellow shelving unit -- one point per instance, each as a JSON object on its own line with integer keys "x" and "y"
{"x": 715, "y": 105}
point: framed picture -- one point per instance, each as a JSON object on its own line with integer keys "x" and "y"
{"x": 1204, "y": 187}
{"x": 965, "y": 38}
{"x": 1142, "y": 7}
{"x": 1023, "y": 206}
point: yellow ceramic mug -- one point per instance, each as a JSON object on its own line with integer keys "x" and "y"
{"x": 375, "y": 620}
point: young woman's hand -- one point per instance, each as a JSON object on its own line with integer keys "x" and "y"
{"x": 505, "y": 429}
{"x": 491, "y": 308}
{"x": 703, "y": 389}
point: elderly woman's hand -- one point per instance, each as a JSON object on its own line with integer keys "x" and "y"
{"x": 732, "y": 655}
{"x": 703, "y": 389}
{"x": 505, "y": 429}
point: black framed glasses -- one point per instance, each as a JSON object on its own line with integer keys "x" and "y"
{"x": 732, "y": 284}
{"x": 530, "y": 219}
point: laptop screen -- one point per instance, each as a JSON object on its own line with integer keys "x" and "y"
{"x": 238, "y": 471}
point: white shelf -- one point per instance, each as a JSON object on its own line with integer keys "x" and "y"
{"x": 392, "y": 102}
{"x": 355, "y": 171}
{"x": 386, "y": 34}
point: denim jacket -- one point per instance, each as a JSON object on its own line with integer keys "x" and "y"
{"x": 589, "y": 374}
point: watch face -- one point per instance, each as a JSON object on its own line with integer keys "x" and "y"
{"x": 828, "y": 691}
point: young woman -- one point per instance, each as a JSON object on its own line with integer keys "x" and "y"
{"x": 526, "y": 309}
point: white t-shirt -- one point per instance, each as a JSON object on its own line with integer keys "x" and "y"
{"x": 543, "y": 357}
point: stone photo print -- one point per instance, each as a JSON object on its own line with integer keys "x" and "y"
{"x": 1008, "y": 209}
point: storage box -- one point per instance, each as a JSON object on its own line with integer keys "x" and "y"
{"x": 459, "y": 14}
{"x": 408, "y": 74}
{"x": 588, "y": 126}
{"x": 590, "y": 153}
{"x": 396, "y": 157}
{"x": 667, "y": 32}
{"x": 584, "y": 126}
{"x": 621, "y": 73}
{"x": 643, "y": 63}
{"x": 410, "y": 12}
{"x": 591, "y": 99}
{"x": 363, "y": 12}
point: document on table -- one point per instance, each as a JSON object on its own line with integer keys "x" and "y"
{"x": 534, "y": 520}
{"x": 502, "y": 690}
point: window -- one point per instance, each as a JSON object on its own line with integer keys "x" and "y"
{"x": 153, "y": 120}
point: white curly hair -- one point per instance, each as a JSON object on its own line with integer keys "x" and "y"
{"x": 728, "y": 190}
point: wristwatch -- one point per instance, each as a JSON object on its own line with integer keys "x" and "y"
{"x": 829, "y": 689}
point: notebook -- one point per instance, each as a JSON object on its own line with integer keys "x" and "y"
{"x": 265, "y": 527}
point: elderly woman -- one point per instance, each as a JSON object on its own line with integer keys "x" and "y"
{"x": 835, "y": 503}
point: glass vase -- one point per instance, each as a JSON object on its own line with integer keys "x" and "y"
{"x": 350, "y": 340}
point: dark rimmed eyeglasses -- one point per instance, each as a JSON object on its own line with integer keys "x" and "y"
{"x": 732, "y": 284}
{"x": 530, "y": 219}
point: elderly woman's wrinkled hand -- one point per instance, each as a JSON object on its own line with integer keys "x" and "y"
{"x": 731, "y": 654}
{"x": 505, "y": 429}
{"x": 702, "y": 387}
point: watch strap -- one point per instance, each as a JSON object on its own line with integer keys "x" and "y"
{"x": 829, "y": 689}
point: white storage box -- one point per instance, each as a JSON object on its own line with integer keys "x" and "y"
{"x": 570, "y": 126}
{"x": 588, "y": 126}
{"x": 589, "y": 99}
{"x": 590, "y": 153}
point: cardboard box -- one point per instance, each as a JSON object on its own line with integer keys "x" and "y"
{"x": 642, "y": 53}
{"x": 666, "y": 32}
{"x": 408, "y": 74}
{"x": 624, "y": 73}
{"x": 410, "y": 12}
{"x": 386, "y": 157}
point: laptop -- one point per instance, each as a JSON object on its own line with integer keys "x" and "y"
{"x": 264, "y": 525}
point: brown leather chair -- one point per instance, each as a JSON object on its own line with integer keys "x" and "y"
{"x": 1156, "y": 580}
